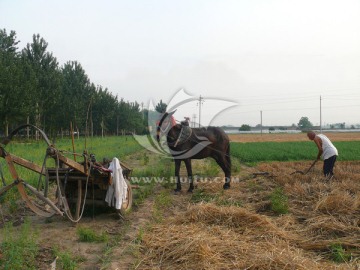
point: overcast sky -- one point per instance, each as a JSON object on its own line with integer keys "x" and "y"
{"x": 276, "y": 56}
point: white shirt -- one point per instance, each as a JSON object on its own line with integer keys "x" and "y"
{"x": 329, "y": 149}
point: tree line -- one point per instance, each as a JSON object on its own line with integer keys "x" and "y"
{"x": 35, "y": 89}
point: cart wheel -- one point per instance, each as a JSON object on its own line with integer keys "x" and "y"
{"x": 36, "y": 198}
{"x": 126, "y": 205}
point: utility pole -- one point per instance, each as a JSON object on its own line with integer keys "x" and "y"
{"x": 194, "y": 120}
{"x": 261, "y": 121}
{"x": 201, "y": 99}
{"x": 320, "y": 117}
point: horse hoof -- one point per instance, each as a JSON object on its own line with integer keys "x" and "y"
{"x": 177, "y": 191}
{"x": 226, "y": 186}
{"x": 190, "y": 191}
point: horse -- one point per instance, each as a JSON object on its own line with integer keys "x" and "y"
{"x": 187, "y": 143}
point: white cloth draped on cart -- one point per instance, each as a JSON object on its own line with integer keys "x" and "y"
{"x": 117, "y": 191}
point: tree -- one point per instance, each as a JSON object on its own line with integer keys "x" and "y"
{"x": 104, "y": 109}
{"x": 33, "y": 86}
{"x": 46, "y": 97}
{"x": 161, "y": 107}
{"x": 14, "y": 89}
{"x": 304, "y": 123}
{"x": 76, "y": 94}
{"x": 245, "y": 128}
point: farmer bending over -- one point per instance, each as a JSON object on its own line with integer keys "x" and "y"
{"x": 327, "y": 151}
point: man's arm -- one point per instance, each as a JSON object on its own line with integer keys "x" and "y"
{"x": 318, "y": 143}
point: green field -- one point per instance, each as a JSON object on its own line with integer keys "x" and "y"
{"x": 289, "y": 151}
{"x": 101, "y": 147}
{"x": 124, "y": 146}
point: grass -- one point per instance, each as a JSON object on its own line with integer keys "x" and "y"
{"x": 89, "y": 235}
{"x": 34, "y": 151}
{"x": 279, "y": 201}
{"x": 339, "y": 254}
{"x": 162, "y": 201}
{"x": 66, "y": 260}
{"x": 289, "y": 151}
{"x": 19, "y": 248}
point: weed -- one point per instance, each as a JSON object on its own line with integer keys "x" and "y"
{"x": 209, "y": 168}
{"x": 254, "y": 186}
{"x": 279, "y": 201}
{"x": 142, "y": 193}
{"x": 235, "y": 165}
{"x": 199, "y": 195}
{"x": 19, "y": 248}
{"x": 89, "y": 235}
{"x": 139, "y": 236}
{"x": 339, "y": 254}
{"x": 145, "y": 159}
{"x": 163, "y": 200}
{"x": 66, "y": 261}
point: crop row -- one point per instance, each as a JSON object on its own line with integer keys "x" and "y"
{"x": 289, "y": 151}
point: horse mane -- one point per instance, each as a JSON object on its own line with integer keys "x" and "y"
{"x": 166, "y": 114}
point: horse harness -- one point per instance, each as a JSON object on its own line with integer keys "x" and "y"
{"x": 185, "y": 134}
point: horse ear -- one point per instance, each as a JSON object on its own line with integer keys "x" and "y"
{"x": 171, "y": 113}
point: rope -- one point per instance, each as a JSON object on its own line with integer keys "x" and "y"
{"x": 63, "y": 198}
{"x": 40, "y": 177}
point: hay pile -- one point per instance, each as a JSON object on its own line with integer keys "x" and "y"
{"x": 210, "y": 235}
{"x": 219, "y": 237}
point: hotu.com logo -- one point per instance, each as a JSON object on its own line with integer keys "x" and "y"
{"x": 184, "y": 138}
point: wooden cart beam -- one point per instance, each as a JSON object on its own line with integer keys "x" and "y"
{"x": 51, "y": 151}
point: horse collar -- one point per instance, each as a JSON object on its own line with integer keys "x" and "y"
{"x": 184, "y": 135}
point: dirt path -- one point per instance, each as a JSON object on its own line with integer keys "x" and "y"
{"x": 122, "y": 249}
{"x": 126, "y": 255}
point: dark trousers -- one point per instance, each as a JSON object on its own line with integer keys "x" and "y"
{"x": 329, "y": 166}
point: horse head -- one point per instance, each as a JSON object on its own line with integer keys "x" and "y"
{"x": 168, "y": 119}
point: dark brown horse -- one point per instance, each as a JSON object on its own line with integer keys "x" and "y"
{"x": 187, "y": 143}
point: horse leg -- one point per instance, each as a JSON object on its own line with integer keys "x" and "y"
{"x": 177, "y": 175}
{"x": 189, "y": 172}
{"x": 225, "y": 165}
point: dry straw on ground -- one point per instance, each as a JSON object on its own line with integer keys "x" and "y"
{"x": 210, "y": 235}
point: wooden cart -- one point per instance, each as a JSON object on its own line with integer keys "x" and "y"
{"x": 67, "y": 187}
